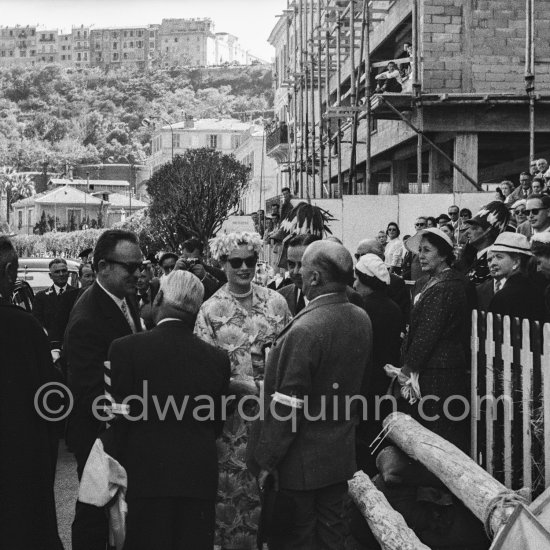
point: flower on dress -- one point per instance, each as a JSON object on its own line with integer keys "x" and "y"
{"x": 231, "y": 338}
{"x": 221, "y": 311}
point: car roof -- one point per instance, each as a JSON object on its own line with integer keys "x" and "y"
{"x": 43, "y": 263}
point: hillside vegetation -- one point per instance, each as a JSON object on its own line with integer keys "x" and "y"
{"x": 56, "y": 115}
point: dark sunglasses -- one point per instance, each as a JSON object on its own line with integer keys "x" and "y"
{"x": 534, "y": 211}
{"x": 420, "y": 225}
{"x": 130, "y": 267}
{"x": 235, "y": 263}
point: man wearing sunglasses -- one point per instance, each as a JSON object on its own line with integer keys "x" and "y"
{"x": 538, "y": 215}
{"x": 105, "y": 312}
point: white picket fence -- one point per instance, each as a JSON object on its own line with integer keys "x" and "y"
{"x": 511, "y": 365}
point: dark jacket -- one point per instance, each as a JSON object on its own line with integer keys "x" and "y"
{"x": 290, "y": 293}
{"x": 324, "y": 352}
{"x": 170, "y": 458}
{"x": 46, "y": 307}
{"x": 519, "y": 297}
{"x": 28, "y": 442}
{"x": 485, "y": 292}
{"x": 94, "y": 323}
{"x": 68, "y": 300}
{"x": 436, "y": 348}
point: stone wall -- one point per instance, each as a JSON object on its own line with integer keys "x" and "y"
{"x": 479, "y": 46}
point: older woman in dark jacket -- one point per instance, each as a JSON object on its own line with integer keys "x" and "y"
{"x": 435, "y": 347}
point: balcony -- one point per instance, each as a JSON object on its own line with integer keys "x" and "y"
{"x": 277, "y": 143}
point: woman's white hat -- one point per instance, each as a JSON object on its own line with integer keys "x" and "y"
{"x": 413, "y": 243}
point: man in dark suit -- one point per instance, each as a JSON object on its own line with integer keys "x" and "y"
{"x": 27, "y": 438}
{"x": 47, "y": 302}
{"x": 293, "y": 293}
{"x": 171, "y": 462}
{"x": 102, "y": 314}
{"x": 319, "y": 359}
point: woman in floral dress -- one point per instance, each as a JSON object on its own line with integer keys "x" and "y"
{"x": 241, "y": 318}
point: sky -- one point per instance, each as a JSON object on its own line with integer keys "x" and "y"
{"x": 250, "y": 20}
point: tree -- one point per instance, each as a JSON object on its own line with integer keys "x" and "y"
{"x": 15, "y": 186}
{"x": 193, "y": 195}
{"x": 42, "y": 226}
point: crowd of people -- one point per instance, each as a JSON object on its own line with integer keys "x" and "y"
{"x": 326, "y": 329}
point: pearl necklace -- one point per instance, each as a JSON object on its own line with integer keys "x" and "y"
{"x": 245, "y": 295}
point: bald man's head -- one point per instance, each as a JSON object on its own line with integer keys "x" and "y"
{"x": 325, "y": 264}
{"x": 370, "y": 246}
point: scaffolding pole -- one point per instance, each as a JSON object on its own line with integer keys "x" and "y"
{"x": 530, "y": 71}
{"x": 295, "y": 98}
{"x": 301, "y": 87}
{"x": 353, "y": 101}
{"x": 418, "y": 94}
{"x": 339, "y": 98}
{"x": 327, "y": 107}
{"x": 368, "y": 160}
{"x": 320, "y": 101}
{"x": 307, "y": 76}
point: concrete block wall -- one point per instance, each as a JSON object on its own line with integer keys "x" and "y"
{"x": 479, "y": 46}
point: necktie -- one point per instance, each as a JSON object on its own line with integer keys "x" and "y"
{"x": 498, "y": 286}
{"x": 124, "y": 308}
{"x": 300, "y": 302}
{"x": 61, "y": 291}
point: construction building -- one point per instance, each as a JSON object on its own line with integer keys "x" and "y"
{"x": 473, "y": 108}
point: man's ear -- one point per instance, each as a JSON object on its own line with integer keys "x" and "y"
{"x": 315, "y": 278}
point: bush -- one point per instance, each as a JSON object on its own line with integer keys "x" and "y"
{"x": 67, "y": 245}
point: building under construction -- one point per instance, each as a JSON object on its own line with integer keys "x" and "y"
{"x": 474, "y": 104}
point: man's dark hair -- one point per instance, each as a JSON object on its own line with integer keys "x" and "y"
{"x": 166, "y": 256}
{"x": 285, "y": 189}
{"x": 545, "y": 199}
{"x": 57, "y": 261}
{"x": 305, "y": 239}
{"x": 82, "y": 266}
{"x": 466, "y": 211}
{"x": 193, "y": 244}
{"x": 108, "y": 241}
{"x": 525, "y": 174}
{"x": 8, "y": 254}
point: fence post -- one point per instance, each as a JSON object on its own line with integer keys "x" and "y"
{"x": 545, "y": 367}
{"x": 507, "y": 358}
{"x": 474, "y": 398}
{"x": 490, "y": 390}
{"x": 527, "y": 397}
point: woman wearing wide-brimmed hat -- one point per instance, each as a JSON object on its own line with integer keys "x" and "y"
{"x": 434, "y": 351}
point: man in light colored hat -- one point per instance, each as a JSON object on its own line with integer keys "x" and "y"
{"x": 514, "y": 294}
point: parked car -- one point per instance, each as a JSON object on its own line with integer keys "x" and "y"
{"x": 36, "y": 273}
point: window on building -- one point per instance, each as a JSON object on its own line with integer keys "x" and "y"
{"x": 19, "y": 219}
{"x": 176, "y": 140}
{"x": 51, "y": 57}
{"x": 125, "y": 56}
{"x": 85, "y": 56}
{"x": 62, "y": 58}
{"x": 131, "y": 33}
{"x": 212, "y": 141}
{"x": 115, "y": 57}
{"x": 235, "y": 141}
{"x": 175, "y": 39}
{"x": 42, "y": 36}
{"x": 78, "y": 57}
{"x": 51, "y": 36}
{"x": 30, "y": 212}
{"x": 131, "y": 44}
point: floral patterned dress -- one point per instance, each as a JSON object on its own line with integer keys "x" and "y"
{"x": 223, "y": 322}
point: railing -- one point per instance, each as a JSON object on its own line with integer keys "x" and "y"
{"x": 510, "y": 399}
{"x": 278, "y": 136}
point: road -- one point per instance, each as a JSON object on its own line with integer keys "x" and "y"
{"x": 66, "y": 489}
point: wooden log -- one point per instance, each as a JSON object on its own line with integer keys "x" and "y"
{"x": 462, "y": 476}
{"x": 387, "y": 525}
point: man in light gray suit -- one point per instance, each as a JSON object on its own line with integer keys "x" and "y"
{"x": 307, "y": 437}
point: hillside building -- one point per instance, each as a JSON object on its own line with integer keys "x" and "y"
{"x": 173, "y": 42}
{"x": 465, "y": 85}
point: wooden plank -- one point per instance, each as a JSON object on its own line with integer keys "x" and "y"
{"x": 507, "y": 358}
{"x": 545, "y": 365}
{"x": 474, "y": 400}
{"x": 490, "y": 393}
{"x": 527, "y": 397}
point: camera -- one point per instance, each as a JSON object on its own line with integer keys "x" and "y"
{"x": 190, "y": 262}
